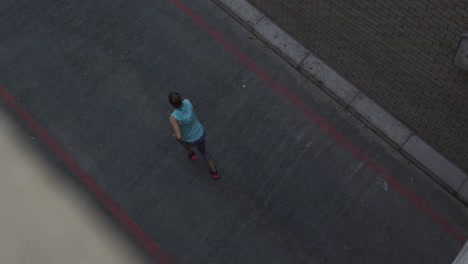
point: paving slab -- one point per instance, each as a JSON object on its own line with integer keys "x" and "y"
{"x": 249, "y": 15}
{"x": 381, "y": 119}
{"x": 279, "y": 40}
{"x": 297, "y": 182}
{"x": 435, "y": 162}
{"x": 343, "y": 90}
{"x": 463, "y": 191}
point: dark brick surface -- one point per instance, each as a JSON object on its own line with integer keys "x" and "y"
{"x": 96, "y": 75}
{"x": 401, "y": 54}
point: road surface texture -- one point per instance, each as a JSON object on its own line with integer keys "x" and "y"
{"x": 45, "y": 218}
{"x": 302, "y": 181}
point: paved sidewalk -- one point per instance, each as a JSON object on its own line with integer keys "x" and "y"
{"x": 302, "y": 180}
{"x": 381, "y": 121}
{"x": 400, "y": 53}
{"x": 45, "y": 218}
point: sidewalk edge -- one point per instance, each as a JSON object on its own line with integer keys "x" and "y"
{"x": 382, "y": 122}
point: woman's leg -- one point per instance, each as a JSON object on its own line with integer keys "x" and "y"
{"x": 192, "y": 155}
{"x": 206, "y": 155}
{"x": 211, "y": 165}
{"x": 186, "y": 147}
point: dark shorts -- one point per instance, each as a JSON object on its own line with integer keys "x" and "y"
{"x": 200, "y": 144}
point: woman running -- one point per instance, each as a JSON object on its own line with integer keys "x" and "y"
{"x": 188, "y": 131}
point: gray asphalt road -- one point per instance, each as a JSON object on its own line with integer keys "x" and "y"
{"x": 96, "y": 76}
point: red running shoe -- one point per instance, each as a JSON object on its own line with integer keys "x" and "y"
{"x": 215, "y": 174}
{"x": 192, "y": 156}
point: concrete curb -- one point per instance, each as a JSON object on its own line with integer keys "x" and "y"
{"x": 288, "y": 47}
{"x": 368, "y": 111}
{"x": 462, "y": 257}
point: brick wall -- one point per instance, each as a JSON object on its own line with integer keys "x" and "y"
{"x": 398, "y": 52}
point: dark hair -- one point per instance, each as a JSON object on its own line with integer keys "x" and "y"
{"x": 175, "y": 99}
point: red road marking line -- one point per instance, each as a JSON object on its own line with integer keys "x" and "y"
{"x": 456, "y": 234}
{"x": 102, "y": 196}
{"x": 132, "y": 227}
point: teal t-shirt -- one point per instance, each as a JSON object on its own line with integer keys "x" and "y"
{"x": 190, "y": 128}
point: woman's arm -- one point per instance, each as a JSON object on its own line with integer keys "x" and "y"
{"x": 175, "y": 128}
